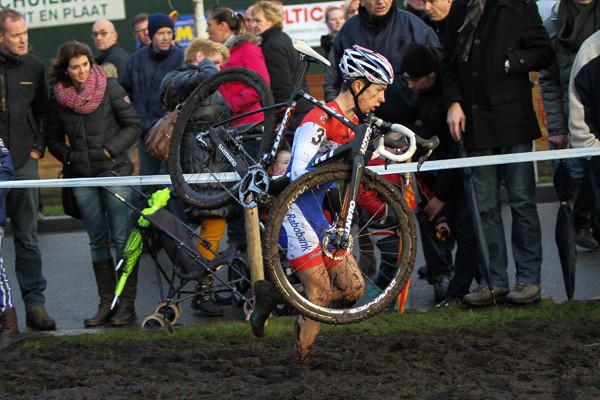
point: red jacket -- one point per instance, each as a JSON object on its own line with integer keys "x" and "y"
{"x": 240, "y": 98}
{"x": 368, "y": 200}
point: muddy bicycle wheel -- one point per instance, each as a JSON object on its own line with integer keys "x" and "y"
{"x": 196, "y": 164}
{"x": 383, "y": 245}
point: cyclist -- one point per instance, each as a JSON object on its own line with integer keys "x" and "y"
{"x": 366, "y": 75}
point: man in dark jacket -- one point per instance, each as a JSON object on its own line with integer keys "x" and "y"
{"x": 381, "y": 27}
{"x": 105, "y": 38}
{"x": 24, "y": 96}
{"x": 488, "y": 96}
{"x": 442, "y": 192}
{"x": 436, "y": 15}
{"x": 578, "y": 19}
{"x": 144, "y": 73}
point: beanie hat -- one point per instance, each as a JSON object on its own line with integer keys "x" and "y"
{"x": 418, "y": 61}
{"x": 158, "y": 21}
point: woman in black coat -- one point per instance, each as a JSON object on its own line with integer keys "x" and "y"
{"x": 90, "y": 109}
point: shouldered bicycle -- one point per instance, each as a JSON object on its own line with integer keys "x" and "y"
{"x": 249, "y": 152}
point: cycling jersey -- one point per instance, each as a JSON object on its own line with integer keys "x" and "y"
{"x": 305, "y": 224}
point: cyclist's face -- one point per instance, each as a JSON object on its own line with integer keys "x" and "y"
{"x": 371, "y": 98}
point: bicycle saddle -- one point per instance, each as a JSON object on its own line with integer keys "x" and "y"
{"x": 308, "y": 51}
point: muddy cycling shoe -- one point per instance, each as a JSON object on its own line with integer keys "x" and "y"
{"x": 265, "y": 300}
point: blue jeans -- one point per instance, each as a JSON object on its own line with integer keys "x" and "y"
{"x": 104, "y": 217}
{"x": 22, "y": 206}
{"x": 526, "y": 235}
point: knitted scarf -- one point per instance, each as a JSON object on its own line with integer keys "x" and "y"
{"x": 89, "y": 96}
{"x": 467, "y": 30}
{"x": 575, "y": 25}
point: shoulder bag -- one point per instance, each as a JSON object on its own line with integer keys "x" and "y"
{"x": 159, "y": 136}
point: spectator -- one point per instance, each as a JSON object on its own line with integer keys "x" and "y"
{"x": 21, "y": 121}
{"x": 9, "y": 328}
{"x": 281, "y": 58}
{"x": 350, "y": 8}
{"x": 250, "y": 22}
{"x": 366, "y": 75}
{"x": 334, "y": 19}
{"x": 388, "y": 31}
{"x": 416, "y": 7}
{"x": 488, "y": 52}
{"x": 584, "y": 97}
{"x": 101, "y": 124}
{"x": 203, "y": 58}
{"x": 436, "y": 13}
{"x": 105, "y": 37}
{"x": 139, "y": 28}
{"x": 569, "y": 24}
{"x": 445, "y": 201}
{"x": 145, "y": 71}
{"x": 229, "y": 27}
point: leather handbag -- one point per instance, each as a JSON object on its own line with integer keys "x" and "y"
{"x": 159, "y": 137}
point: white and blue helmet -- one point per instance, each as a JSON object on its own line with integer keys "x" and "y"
{"x": 361, "y": 63}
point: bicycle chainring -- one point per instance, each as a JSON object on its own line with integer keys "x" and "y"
{"x": 253, "y": 187}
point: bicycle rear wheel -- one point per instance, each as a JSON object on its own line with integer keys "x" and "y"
{"x": 385, "y": 251}
{"x": 195, "y": 161}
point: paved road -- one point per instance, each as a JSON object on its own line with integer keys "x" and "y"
{"x": 71, "y": 293}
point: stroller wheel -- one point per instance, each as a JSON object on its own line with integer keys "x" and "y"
{"x": 154, "y": 321}
{"x": 171, "y": 313}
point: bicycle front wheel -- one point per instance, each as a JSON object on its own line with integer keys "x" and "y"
{"x": 384, "y": 250}
{"x": 196, "y": 165}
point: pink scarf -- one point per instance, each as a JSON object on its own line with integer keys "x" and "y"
{"x": 89, "y": 96}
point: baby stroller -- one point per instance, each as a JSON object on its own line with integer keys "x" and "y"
{"x": 155, "y": 227}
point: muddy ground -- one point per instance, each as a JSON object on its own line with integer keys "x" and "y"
{"x": 558, "y": 360}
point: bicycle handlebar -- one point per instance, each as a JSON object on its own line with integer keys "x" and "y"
{"x": 381, "y": 142}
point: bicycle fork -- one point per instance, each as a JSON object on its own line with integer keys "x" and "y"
{"x": 342, "y": 238}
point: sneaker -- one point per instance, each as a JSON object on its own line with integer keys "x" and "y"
{"x": 422, "y": 271}
{"x": 449, "y": 302}
{"x": 585, "y": 239}
{"x": 524, "y": 293}
{"x": 39, "y": 320}
{"x": 483, "y": 297}
{"x": 440, "y": 286}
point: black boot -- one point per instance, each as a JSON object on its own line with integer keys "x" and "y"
{"x": 265, "y": 300}
{"x": 204, "y": 301}
{"x": 106, "y": 280}
{"x": 126, "y": 307}
{"x": 9, "y": 328}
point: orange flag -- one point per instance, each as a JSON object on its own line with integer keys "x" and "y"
{"x": 411, "y": 201}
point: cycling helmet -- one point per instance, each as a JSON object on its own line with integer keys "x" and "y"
{"x": 361, "y": 63}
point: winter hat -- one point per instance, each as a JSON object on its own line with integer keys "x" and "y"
{"x": 158, "y": 21}
{"x": 418, "y": 61}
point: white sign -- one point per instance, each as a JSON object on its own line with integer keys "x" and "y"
{"x": 307, "y": 21}
{"x": 46, "y": 13}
